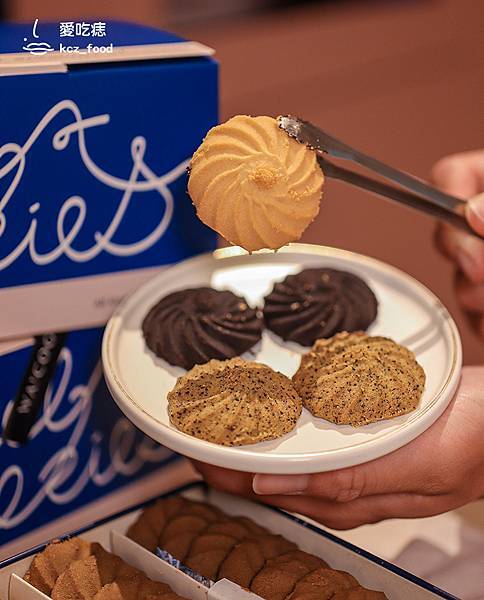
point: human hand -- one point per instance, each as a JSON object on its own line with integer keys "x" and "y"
{"x": 463, "y": 175}
{"x": 440, "y": 470}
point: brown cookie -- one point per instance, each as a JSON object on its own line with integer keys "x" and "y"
{"x": 355, "y": 379}
{"x": 249, "y": 556}
{"x": 317, "y": 303}
{"x": 147, "y": 529}
{"x": 234, "y": 402}
{"x": 278, "y": 577}
{"x": 54, "y": 560}
{"x": 140, "y": 588}
{"x": 207, "y": 553}
{"x": 189, "y": 327}
{"x": 322, "y": 584}
{"x": 180, "y": 533}
{"x": 81, "y": 580}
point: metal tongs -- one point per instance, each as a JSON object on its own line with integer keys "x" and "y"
{"x": 415, "y": 193}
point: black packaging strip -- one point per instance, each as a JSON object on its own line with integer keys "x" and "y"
{"x": 31, "y": 392}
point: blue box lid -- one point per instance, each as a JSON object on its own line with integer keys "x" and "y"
{"x": 51, "y": 47}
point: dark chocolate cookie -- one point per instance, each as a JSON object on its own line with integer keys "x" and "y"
{"x": 192, "y": 326}
{"x": 317, "y": 303}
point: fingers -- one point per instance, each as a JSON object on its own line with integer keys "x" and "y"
{"x": 466, "y": 250}
{"x": 470, "y": 296}
{"x": 334, "y": 514}
{"x": 409, "y": 469}
{"x": 345, "y": 485}
{"x": 393, "y": 473}
{"x": 226, "y": 480}
{"x": 417, "y": 467}
{"x": 461, "y": 175}
{"x": 365, "y": 510}
{"x": 471, "y": 299}
{"x": 438, "y": 471}
{"x": 475, "y": 213}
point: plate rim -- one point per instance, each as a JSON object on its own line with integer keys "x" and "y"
{"x": 176, "y": 439}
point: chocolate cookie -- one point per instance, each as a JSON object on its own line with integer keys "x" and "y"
{"x": 192, "y": 326}
{"x": 317, "y": 303}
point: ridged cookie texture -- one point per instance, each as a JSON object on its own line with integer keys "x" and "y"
{"x": 253, "y": 184}
{"x": 356, "y": 379}
{"x": 76, "y": 569}
{"x": 317, "y": 303}
{"x": 222, "y": 546}
{"x": 194, "y": 325}
{"x": 234, "y": 402}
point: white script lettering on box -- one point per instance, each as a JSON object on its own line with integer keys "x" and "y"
{"x": 127, "y": 451}
{"x": 103, "y": 241}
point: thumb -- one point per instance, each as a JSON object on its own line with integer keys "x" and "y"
{"x": 475, "y": 213}
{"x": 385, "y": 475}
{"x": 414, "y": 468}
{"x": 456, "y": 175}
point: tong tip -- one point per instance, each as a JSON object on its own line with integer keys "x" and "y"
{"x": 299, "y": 130}
{"x": 291, "y": 125}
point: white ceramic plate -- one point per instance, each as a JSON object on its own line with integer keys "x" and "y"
{"x": 408, "y": 313}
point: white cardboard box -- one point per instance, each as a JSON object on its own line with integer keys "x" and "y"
{"x": 369, "y": 570}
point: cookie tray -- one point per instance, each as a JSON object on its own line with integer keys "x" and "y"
{"x": 372, "y": 572}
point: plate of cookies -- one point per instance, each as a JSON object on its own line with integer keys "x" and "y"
{"x": 303, "y": 360}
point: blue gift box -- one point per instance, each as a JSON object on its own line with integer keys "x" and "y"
{"x": 94, "y": 146}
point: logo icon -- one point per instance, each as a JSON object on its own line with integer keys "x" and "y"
{"x": 37, "y": 48}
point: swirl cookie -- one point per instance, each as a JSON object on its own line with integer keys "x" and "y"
{"x": 234, "y": 402}
{"x": 254, "y": 184}
{"x": 317, "y": 303}
{"x": 75, "y": 569}
{"x": 192, "y": 326}
{"x": 355, "y": 379}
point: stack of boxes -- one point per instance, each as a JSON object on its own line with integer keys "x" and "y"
{"x": 94, "y": 147}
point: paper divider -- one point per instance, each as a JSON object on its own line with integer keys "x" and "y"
{"x": 19, "y": 589}
{"x": 156, "y": 568}
{"x": 369, "y": 573}
{"x": 159, "y": 570}
{"x": 225, "y": 589}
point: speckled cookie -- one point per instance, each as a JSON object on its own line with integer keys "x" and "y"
{"x": 234, "y": 402}
{"x": 355, "y": 379}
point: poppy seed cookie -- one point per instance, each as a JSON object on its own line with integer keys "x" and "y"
{"x": 355, "y": 379}
{"x": 234, "y": 402}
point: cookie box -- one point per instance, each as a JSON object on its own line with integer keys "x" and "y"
{"x": 94, "y": 148}
{"x": 370, "y": 571}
